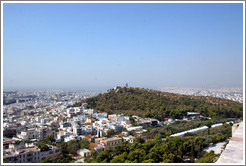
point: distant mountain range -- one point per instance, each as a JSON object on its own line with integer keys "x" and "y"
{"x": 157, "y": 104}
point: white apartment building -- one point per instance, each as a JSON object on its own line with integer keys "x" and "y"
{"x": 89, "y": 111}
{"x": 27, "y": 135}
{"x": 71, "y": 137}
{"x": 28, "y": 154}
{"x": 38, "y": 133}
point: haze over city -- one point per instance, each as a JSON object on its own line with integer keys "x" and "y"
{"x": 100, "y": 46}
{"x": 123, "y": 82}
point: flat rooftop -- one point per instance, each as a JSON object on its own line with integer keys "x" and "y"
{"x": 113, "y": 139}
{"x": 26, "y": 150}
{"x": 234, "y": 152}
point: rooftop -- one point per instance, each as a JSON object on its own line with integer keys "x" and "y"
{"x": 89, "y": 136}
{"x": 84, "y": 150}
{"x": 112, "y": 139}
{"x": 93, "y": 144}
{"x": 26, "y": 150}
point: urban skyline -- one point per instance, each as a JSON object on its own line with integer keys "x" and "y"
{"x": 123, "y": 83}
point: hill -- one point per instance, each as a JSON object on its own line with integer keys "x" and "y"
{"x": 157, "y": 104}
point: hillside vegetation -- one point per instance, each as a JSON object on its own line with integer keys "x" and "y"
{"x": 172, "y": 150}
{"x": 157, "y": 104}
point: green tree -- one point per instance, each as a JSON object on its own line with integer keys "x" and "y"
{"x": 42, "y": 146}
{"x": 151, "y": 103}
{"x": 49, "y": 139}
{"x": 208, "y": 158}
{"x": 73, "y": 147}
{"x": 84, "y": 143}
{"x": 110, "y": 133}
{"x": 119, "y": 159}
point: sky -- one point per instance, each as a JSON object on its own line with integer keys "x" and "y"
{"x": 100, "y": 46}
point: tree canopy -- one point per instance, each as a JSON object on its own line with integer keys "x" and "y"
{"x": 172, "y": 150}
{"x": 157, "y": 104}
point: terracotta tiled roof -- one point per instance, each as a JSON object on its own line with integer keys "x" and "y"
{"x": 93, "y": 144}
{"x": 89, "y": 136}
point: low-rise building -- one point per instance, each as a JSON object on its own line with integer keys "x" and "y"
{"x": 43, "y": 132}
{"x": 89, "y": 111}
{"x": 27, "y": 135}
{"x": 97, "y": 147}
{"x": 28, "y": 154}
{"x": 84, "y": 152}
{"x": 111, "y": 142}
{"x": 71, "y": 137}
{"x": 129, "y": 139}
{"x": 135, "y": 128}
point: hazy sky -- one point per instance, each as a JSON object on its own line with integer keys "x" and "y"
{"x": 100, "y": 46}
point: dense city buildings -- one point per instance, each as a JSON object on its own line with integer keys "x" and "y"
{"x": 36, "y": 124}
{"x": 83, "y": 82}
{"x": 32, "y": 116}
{"x": 235, "y": 94}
